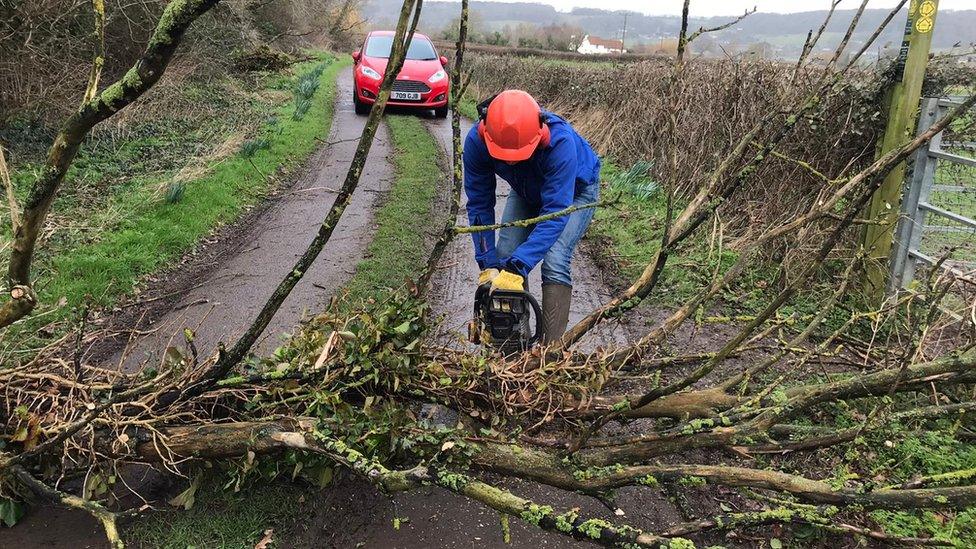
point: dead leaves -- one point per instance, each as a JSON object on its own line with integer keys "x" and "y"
{"x": 266, "y": 540}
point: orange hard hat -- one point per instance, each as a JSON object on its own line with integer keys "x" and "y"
{"x": 513, "y": 126}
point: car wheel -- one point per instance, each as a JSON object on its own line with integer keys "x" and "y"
{"x": 441, "y": 112}
{"x": 361, "y": 108}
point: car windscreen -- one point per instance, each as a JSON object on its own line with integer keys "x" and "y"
{"x": 380, "y": 46}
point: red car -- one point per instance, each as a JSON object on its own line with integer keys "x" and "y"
{"x": 422, "y": 83}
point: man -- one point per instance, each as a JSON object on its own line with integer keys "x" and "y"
{"x": 549, "y": 168}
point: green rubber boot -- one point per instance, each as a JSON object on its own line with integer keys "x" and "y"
{"x": 555, "y": 311}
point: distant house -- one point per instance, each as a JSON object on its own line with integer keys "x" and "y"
{"x": 593, "y": 44}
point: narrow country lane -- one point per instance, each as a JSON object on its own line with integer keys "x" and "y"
{"x": 227, "y": 281}
{"x": 250, "y": 259}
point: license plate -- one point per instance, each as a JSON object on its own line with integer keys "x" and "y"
{"x": 407, "y": 96}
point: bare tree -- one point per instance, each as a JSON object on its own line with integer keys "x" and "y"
{"x": 95, "y": 108}
{"x": 684, "y": 39}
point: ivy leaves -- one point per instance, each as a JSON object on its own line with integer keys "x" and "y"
{"x": 11, "y": 512}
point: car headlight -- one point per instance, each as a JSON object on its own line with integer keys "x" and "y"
{"x": 370, "y": 73}
{"x": 437, "y": 76}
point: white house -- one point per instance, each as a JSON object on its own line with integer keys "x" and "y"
{"x": 594, "y": 44}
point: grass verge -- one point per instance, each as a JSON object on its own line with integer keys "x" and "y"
{"x": 398, "y": 250}
{"x": 220, "y": 518}
{"x": 153, "y": 218}
{"x": 629, "y": 234}
{"x": 468, "y": 107}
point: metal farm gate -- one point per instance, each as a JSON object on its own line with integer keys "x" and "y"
{"x": 938, "y": 214}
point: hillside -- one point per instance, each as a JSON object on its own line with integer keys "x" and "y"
{"x": 784, "y": 32}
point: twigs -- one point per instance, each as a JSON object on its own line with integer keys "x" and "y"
{"x": 532, "y": 221}
{"x": 703, "y": 30}
{"x": 721, "y": 184}
{"x": 802, "y": 337}
{"x": 66, "y": 431}
{"x": 732, "y": 344}
{"x": 9, "y": 189}
{"x": 684, "y": 40}
{"x": 877, "y": 32}
{"x": 82, "y": 321}
{"x": 812, "y": 39}
{"x": 104, "y": 516}
{"x": 850, "y": 32}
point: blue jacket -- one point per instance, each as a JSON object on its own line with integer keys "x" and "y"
{"x": 550, "y": 179}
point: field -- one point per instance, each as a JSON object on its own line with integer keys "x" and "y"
{"x": 954, "y": 189}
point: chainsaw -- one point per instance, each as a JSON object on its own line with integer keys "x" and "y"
{"x": 502, "y": 320}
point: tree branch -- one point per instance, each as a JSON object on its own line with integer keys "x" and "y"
{"x": 703, "y": 30}
{"x": 8, "y": 186}
{"x": 98, "y": 9}
{"x": 104, "y": 516}
{"x": 532, "y": 221}
{"x": 173, "y": 23}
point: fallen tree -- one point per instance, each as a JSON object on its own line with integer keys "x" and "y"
{"x": 350, "y": 386}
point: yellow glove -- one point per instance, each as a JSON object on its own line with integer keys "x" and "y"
{"x": 487, "y": 276}
{"x": 508, "y": 281}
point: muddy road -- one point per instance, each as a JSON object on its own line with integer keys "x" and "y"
{"x": 230, "y": 281}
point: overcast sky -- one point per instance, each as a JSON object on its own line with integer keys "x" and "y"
{"x": 731, "y": 7}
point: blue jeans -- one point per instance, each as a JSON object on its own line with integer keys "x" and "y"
{"x": 556, "y": 263}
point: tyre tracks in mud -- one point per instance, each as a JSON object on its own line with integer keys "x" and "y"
{"x": 251, "y": 256}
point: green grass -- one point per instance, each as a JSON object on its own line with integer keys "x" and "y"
{"x": 921, "y": 450}
{"x": 629, "y": 233}
{"x": 468, "y": 107}
{"x": 139, "y": 232}
{"x": 398, "y": 250}
{"x": 220, "y": 518}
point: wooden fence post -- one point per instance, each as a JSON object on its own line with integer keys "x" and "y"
{"x": 902, "y": 108}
